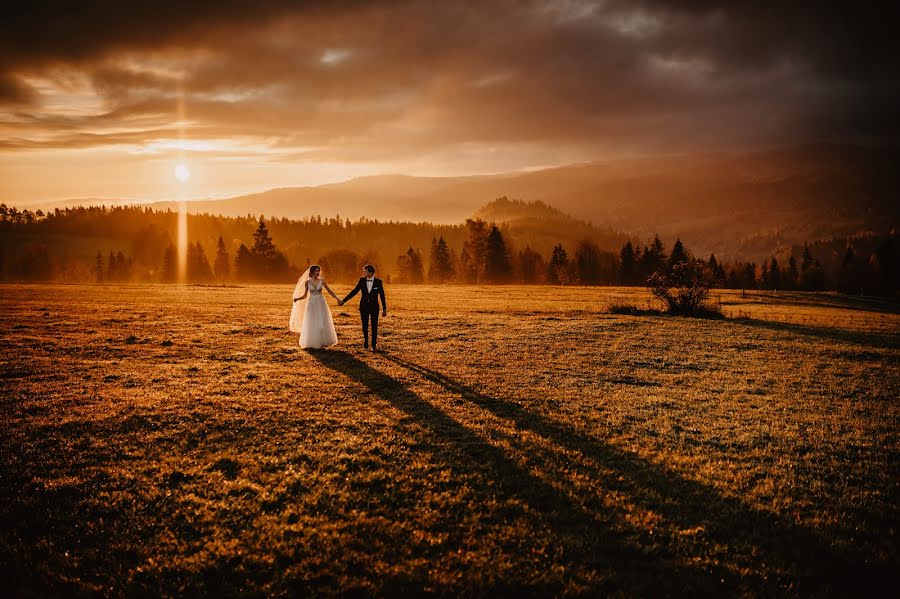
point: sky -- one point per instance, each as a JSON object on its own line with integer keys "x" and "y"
{"x": 103, "y": 99}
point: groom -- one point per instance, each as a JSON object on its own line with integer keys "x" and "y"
{"x": 371, "y": 289}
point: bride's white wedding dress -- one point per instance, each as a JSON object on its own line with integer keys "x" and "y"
{"x": 312, "y": 317}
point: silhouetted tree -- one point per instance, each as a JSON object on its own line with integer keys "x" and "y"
{"x": 591, "y": 266}
{"x": 98, "y": 266}
{"x": 807, "y": 260}
{"x": 850, "y": 279}
{"x": 627, "y": 266}
{"x": 467, "y": 271}
{"x": 112, "y": 268}
{"x": 148, "y": 245}
{"x": 198, "y": 269}
{"x": 268, "y": 263}
{"x": 814, "y": 277}
{"x": 678, "y": 255}
{"x": 243, "y": 264}
{"x": 559, "y": 269}
{"x": 792, "y": 276}
{"x": 410, "y": 268}
{"x": 532, "y": 266}
{"x": 716, "y": 270}
{"x": 685, "y": 290}
{"x": 474, "y": 251}
{"x": 262, "y": 242}
{"x": 343, "y": 265}
{"x": 440, "y": 269}
{"x": 742, "y": 276}
{"x": 222, "y": 266}
{"x": 774, "y": 274}
{"x": 169, "y": 270}
{"x": 653, "y": 258}
{"x": 34, "y": 263}
{"x": 497, "y": 267}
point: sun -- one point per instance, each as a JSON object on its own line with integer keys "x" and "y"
{"x": 182, "y": 173}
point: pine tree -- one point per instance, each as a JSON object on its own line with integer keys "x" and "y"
{"x": 222, "y": 267}
{"x": 807, "y": 273}
{"x": 497, "y": 268}
{"x": 472, "y": 261}
{"x": 678, "y": 256}
{"x": 587, "y": 262}
{"x": 792, "y": 274}
{"x": 807, "y": 260}
{"x": 718, "y": 271}
{"x": 124, "y": 266}
{"x": 263, "y": 248}
{"x": 112, "y": 268}
{"x": 267, "y": 262}
{"x": 558, "y": 270}
{"x": 627, "y": 264}
{"x": 468, "y": 267}
{"x": 441, "y": 267}
{"x": 98, "y": 266}
{"x": 653, "y": 258}
{"x": 169, "y": 271}
{"x": 815, "y": 277}
{"x": 198, "y": 269}
{"x": 749, "y": 278}
{"x": 244, "y": 264}
{"x": 774, "y": 274}
{"x": 849, "y": 279}
{"x": 410, "y": 266}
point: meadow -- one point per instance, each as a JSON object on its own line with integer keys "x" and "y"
{"x": 507, "y": 440}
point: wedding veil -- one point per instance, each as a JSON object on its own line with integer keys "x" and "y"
{"x": 299, "y": 307}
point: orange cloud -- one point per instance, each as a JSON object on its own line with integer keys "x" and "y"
{"x": 461, "y": 85}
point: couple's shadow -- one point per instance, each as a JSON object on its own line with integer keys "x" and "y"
{"x": 590, "y": 533}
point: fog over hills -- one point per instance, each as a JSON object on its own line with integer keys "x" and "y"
{"x": 743, "y": 206}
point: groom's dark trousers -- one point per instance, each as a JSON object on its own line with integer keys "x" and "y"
{"x": 365, "y": 324}
{"x": 369, "y": 306}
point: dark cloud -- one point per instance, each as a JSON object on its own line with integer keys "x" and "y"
{"x": 374, "y": 80}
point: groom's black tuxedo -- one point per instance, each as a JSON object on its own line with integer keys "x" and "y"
{"x": 368, "y": 306}
{"x": 368, "y": 302}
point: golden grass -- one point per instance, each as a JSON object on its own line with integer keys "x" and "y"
{"x": 164, "y": 439}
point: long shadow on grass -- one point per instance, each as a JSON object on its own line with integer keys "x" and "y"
{"x": 832, "y": 300}
{"x": 806, "y": 562}
{"x": 588, "y": 541}
{"x": 876, "y": 340}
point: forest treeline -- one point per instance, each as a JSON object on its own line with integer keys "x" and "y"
{"x": 134, "y": 244}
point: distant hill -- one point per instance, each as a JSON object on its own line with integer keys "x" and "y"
{"x": 743, "y": 206}
{"x": 542, "y": 226}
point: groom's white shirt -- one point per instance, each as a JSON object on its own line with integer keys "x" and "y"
{"x": 369, "y": 283}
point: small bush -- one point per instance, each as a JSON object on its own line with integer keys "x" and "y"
{"x": 685, "y": 292}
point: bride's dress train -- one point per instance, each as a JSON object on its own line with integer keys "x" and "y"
{"x": 312, "y": 318}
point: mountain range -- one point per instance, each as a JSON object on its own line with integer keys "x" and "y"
{"x": 744, "y": 206}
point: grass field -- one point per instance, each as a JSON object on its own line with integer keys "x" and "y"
{"x": 515, "y": 440}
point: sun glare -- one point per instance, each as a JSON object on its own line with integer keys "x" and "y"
{"x": 182, "y": 173}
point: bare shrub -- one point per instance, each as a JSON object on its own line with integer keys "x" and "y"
{"x": 685, "y": 291}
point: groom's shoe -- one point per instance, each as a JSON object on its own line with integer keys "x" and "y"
{"x": 366, "y": 343}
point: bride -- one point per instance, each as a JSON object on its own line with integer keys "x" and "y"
{"x": 312, "y": 318}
